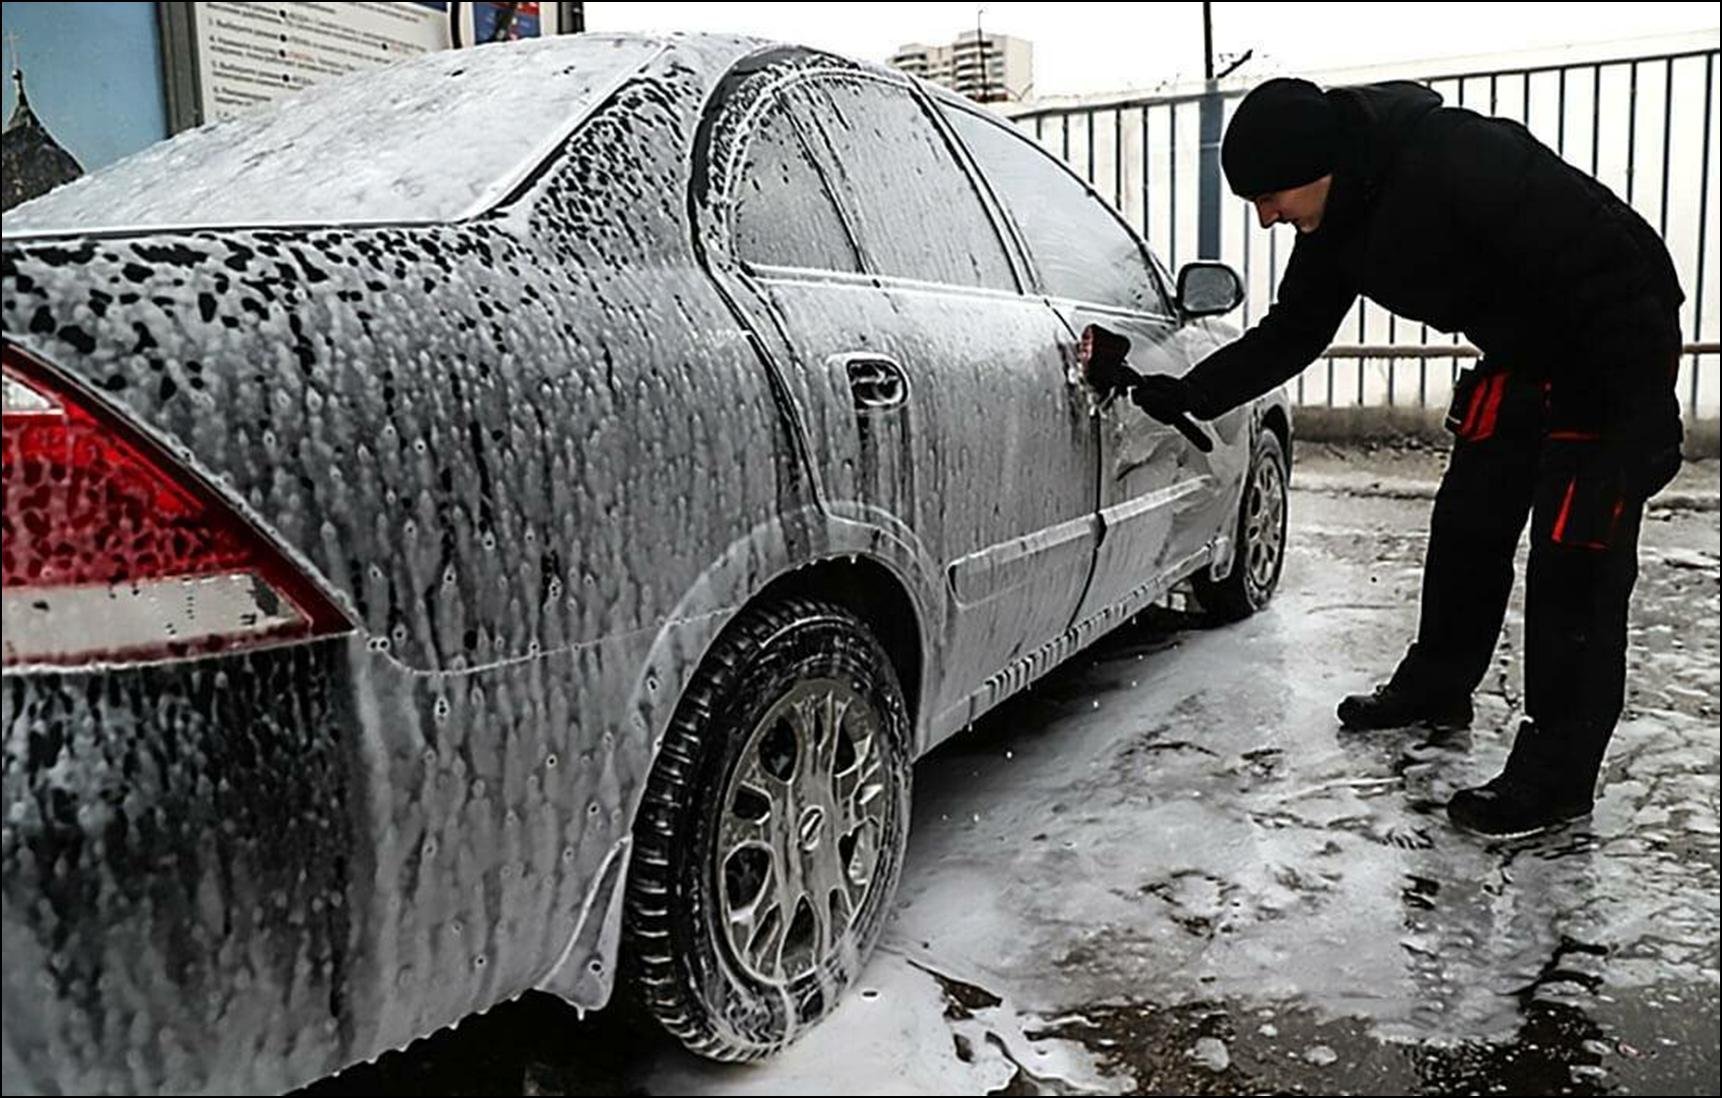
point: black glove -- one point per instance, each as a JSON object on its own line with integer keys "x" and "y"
{"x": 1162, "y": 396}
{"x": 1171, "y": 400}
{"x": 1102, "y": 353}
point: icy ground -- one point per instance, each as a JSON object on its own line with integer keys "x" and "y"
{"x": 1165, "y": 869}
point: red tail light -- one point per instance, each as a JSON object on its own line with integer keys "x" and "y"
{"x": 112, "y": 553}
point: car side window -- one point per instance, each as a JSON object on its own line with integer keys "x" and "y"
{"x": 916, "y": 212}
{"x": 784, "y": 214}
{"x": 1082, "y": 250}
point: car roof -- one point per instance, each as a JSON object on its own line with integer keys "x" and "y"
{"x": 435, "y": 139}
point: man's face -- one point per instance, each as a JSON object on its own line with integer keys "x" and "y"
{"x": 1298, "y": 206}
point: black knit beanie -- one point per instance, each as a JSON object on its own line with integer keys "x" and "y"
{"x": 1284, "y": 134}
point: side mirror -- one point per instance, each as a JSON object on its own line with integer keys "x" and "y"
{"x": 1208, "y": 289}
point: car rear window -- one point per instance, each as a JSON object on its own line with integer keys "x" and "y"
{"x": 437, "y": 138}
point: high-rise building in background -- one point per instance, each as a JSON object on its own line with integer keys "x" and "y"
{"x": 988, "y": 68}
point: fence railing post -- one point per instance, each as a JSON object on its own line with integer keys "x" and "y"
{"x": 1208, "y": 200}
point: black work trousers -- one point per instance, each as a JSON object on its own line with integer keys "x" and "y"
{"x": 1514, "y": 460}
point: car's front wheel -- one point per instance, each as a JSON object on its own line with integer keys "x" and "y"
{"x": 773, "y": 828}
{"x": 1261, "y": 538}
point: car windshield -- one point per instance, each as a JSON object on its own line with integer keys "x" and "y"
{"x": 438, "y": 138}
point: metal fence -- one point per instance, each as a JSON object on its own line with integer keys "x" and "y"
{"x": 1644, "y": 126}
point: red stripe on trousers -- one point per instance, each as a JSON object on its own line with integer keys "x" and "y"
{"x": 1492, "y": 409}
{"x": 1566, "y": 509}
{"x": 1471, "y": 412}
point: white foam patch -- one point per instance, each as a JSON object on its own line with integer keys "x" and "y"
{"x": 891, "y": 1036}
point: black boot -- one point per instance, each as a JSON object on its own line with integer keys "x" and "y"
{"x": 1546, "y": 783}
{"x": 1393, "y": 705}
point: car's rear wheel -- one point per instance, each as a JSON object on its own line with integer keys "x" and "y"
{"x": 1261, "y": 538}
{"x": 772, "y": 832}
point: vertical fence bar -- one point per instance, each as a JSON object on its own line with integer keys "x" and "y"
{"x": 1595, "y": 117}
{"x": 1118, "y": 157}
{"x": 1362, "y": 338}
{"x": 1631, "y": 131}
{"x": 1423, "y": 381}
{"x": 1088, "y": 127}
{"x": 1703, "y": 226}
{"x": 1172, "y": 183}
{"x": 1667, "y": 142}
{"x": 1391, "y": 361}
{"x": 1561, "y": 120}
{"x": 1423, "y": 363}
{"x": 1273, "y": 266}
{"x": 1244, "y": 222}
{"x": 1145, "y": 192}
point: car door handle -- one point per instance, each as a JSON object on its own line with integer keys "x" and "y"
{"x": 877, "y": 382}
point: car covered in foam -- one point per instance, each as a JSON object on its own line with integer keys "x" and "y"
{"x": 511, "y": 521}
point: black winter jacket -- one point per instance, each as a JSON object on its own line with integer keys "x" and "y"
{"x": 1471, "y": 225}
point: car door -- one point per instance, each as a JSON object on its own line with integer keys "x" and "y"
{"x": 933, "y": 390}
{"x": 1162, "y": 502}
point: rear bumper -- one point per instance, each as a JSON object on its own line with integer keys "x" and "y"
{"x": 238, "y": 874}
{"x": 177, "y": 873}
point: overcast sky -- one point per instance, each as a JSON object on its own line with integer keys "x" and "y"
{"x": 1083, "y": 48}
